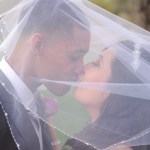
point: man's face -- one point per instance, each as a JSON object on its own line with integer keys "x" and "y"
{"x": 63, "y": 60}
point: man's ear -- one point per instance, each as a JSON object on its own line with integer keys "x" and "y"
{"x": 37, "y": 42}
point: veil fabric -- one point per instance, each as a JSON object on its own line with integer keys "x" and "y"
{"x": 94, "y": 63}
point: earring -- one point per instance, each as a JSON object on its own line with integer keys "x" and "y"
{"x": 136, "y": 55}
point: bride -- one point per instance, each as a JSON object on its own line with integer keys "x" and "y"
{"x": 110, "y": 111}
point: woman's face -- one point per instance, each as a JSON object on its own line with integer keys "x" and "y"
{"x": 99, "y": 71}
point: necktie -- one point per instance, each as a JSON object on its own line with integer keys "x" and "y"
{"x": 50, "y": 107}
{"x": 33, "y": 115}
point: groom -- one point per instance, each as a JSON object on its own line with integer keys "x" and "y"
{"x": 51, "y": 46}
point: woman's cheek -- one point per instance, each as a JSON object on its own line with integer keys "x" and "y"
{"x": 93, "y": 75}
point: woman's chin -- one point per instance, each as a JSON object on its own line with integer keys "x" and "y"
{"x": 82, "y": 97}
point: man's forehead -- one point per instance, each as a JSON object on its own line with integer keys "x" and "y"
{"x": 81, "y": 34}
{"x": 80, "y": 41}
{"x": 74, "y": 43}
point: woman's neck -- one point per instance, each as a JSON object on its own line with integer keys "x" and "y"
{"x": 94, "y": 113}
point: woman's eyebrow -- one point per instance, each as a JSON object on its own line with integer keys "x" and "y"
{"x": 104, "y": 49}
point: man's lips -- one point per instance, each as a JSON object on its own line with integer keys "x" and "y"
{"x": 74, "y": 79}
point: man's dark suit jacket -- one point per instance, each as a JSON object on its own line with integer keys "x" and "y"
{"x": 15, "y": 126}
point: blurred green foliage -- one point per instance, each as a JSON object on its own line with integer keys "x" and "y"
{"x": 117, "y": 7}
{"x": 106, "y": 4}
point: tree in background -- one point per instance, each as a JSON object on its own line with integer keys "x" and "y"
{"x": 144, "y": 7}
{"x": 136, "y": 11}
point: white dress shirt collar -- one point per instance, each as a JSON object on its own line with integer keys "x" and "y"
{"x": 25, "y": 94}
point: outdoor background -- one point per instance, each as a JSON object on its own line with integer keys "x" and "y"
{"x": 136, "y": 11}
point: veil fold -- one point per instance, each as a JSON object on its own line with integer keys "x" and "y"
{"x": 93, "y": 64}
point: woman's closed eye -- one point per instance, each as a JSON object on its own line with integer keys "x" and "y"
{"x": 98, "y": 62}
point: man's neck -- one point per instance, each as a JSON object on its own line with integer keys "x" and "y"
{"x": 24, "y": 72}
{"x": 22, "y": 90}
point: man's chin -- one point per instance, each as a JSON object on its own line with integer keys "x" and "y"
{"x": 59, "y": 90}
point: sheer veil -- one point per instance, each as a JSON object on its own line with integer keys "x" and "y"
{"x": 55, "y": 44}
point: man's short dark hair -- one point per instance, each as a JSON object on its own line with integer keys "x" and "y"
{"x": 50, "y": 16}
